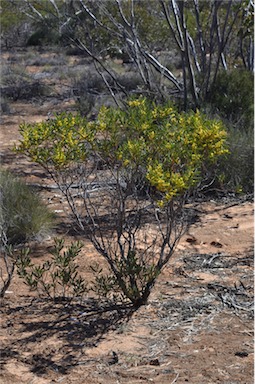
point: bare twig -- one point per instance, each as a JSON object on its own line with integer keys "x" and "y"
{"x": 175, "y": 380}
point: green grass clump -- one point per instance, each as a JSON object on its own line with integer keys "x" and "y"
{"x": 23, "y": 216}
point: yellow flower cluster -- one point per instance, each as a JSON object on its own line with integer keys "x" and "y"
{"x": 170, "y": 183}
{"x": 160, "y": 113}
{"x": 136, "y": 103}
{"x": 57, "y": 141}
{"x": 169, "y": 146}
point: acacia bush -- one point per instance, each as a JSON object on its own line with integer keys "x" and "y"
{"x": 126, "y": 177}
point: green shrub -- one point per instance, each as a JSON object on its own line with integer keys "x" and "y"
{"x": 236, "y": 170}
{"x": 232, "y": 95}
{"x": 43, "y": 36}
{"x": 23, "y": 215}
{"x": 57, "y": 278}
{"x": 232, "y": 98}
{"x": 130, "y": 81}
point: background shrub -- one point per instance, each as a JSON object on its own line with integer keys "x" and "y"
{"x": 232, "y": 95}
{"x": 43, "y": 36}
{"x": 56, "y": 61}
{"x": 23, "y": 215}
{"x": 232, "y": 98}
{"x": 130, "y": 81}
{"x": 5, "y": 108}
{"x": 237, "y": 169}
{"x": 87, "y": 87}
{"x": 90, "y": 81}
{"x": 17, "y": 84}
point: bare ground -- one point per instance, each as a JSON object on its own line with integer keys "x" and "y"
{"x": 197, "y": 326}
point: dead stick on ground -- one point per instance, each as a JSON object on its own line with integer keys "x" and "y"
{"x": 175, "y": 379}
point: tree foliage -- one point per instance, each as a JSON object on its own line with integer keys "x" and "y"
{"x": 14, "y": 24}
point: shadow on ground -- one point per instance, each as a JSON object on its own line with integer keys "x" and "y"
{"x": 76, "y": 326}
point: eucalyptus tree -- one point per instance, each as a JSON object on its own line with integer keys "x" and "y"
{"x": 205, "y": 36}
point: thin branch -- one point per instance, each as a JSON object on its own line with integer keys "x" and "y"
{"x": 179, "y": 43}
{"x": 34, "y": 9}
{"x": 200, "y": 35}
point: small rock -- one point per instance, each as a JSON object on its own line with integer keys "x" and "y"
{"x": 154, "y": 362}
{"x": 227, "y": 216}
{"x": 241, "y": 354}
{"x": 216, "y": 244}
{"x": 113, "y": 358}
{"x": 191, "y": 240}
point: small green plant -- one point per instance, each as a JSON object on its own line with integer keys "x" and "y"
{"x": 57, "y": 278}
{"x": 105, "y": 284}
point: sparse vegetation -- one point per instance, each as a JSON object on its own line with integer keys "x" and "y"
{"x": 57, "y": 60}
{"x": 131, "y": 82}
{"x": 87, "y": 86}
{"x": 159, "y": 140}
